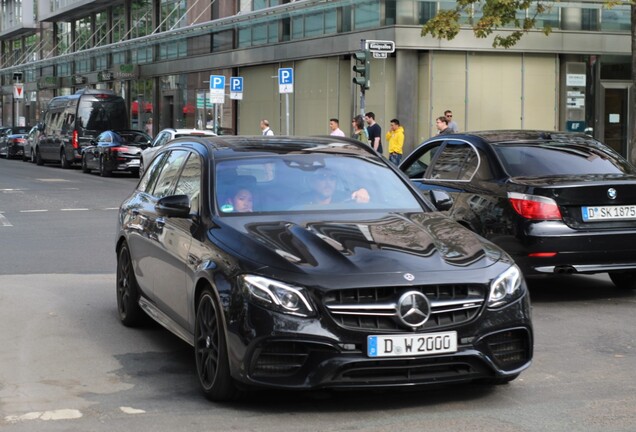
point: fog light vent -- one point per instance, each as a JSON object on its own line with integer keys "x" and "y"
{"x": 511, "y": 349}
{"x": 279, "y": 359}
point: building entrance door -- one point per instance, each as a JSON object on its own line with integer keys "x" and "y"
{"x": 614, "y": 113}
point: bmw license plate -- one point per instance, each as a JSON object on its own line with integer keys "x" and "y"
{"x": 408, "y": 345}
{"x": 604, "y": 213}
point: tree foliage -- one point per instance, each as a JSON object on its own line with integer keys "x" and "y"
{"x": 495, "y": 15}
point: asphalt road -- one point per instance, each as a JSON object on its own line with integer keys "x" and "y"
{"x": 66, "y": 364}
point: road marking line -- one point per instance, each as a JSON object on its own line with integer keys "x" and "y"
{"x": 4, "y": 221}
{"x": 75, "y": 209}
{"x": 52, "y": 180}
{"x": 111, "y": 208}
{"x": 61, "y": 414}
{"x": 33, "y": 211}
{"x": 129, "y": 410}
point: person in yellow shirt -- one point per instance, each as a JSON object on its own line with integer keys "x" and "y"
{"x": 395, "y": 138}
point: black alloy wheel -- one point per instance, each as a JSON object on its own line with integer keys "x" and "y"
{"x": 130, "y": 312}
{"x": 102, "y": 168}
{"x": 624, "y": 280}
{"x": 210, "y": 351}
{"x": 85, "y": 168}
{"x": 38, "y": 157}
{"x": 63, "y": 161}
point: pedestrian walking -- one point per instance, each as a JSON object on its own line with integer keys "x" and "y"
{"x": 359, "y": 131}
{"x": 374, "y": 132}
{"x": 148, "y": 126}
{"x": 334, "y": 125}
{"x": 265, "y": 128}
{"x": 442, "y": 126}
{"x": 395, "y": 138}
{"x": 451, "y": 123}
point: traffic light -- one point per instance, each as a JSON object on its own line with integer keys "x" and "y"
{"x": 363, "y": 69}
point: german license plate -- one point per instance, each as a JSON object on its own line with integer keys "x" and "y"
{"x": 134, "y": 162}
{"x": 408, "y": 345}
{"x": 604, "y": 213}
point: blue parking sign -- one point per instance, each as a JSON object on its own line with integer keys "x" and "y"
{"x": 286, "y": 80}
{"x": 236, "y": 88}
{"x": 217, "y": 82}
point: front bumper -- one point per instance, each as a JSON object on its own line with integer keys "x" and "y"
{"x": 269, "y": 349}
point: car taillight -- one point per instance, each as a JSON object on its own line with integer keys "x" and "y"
{"x": 534, "y": 207}
{"x": 19, "y": 140}
{"x": 118, "y": 149}
{"x": 74, "y": 139}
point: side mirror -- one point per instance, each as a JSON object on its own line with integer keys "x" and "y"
{"x": 173, "y": 206}
{"x": 441, "y": 200}
{"x": 40, "y": 127}
{"x": 93, "y": 142}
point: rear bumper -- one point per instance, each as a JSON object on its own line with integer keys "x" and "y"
{"x": 563, "y": 250}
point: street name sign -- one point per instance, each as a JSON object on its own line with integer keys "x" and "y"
{"x": 380, "y": 46}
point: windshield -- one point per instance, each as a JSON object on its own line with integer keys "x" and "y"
{"x": 525, "y": 160}
{"x": 289, "y": 183}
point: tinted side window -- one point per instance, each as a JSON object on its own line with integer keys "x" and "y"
{"x": 419, "y": 166}
{"x": 457, "y": 161}
{"x": 169, "y": 172}
{"x": 189, "y": 182}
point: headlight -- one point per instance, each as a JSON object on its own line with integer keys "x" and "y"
{"x": 505, "y": 288}
{"x": 277, "y": 295}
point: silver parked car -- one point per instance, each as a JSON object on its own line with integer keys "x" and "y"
{"x": 162, "y": 138}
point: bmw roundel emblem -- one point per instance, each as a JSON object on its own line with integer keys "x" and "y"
{"x": 611, "y": 193}
{"x": 409, "y": 277}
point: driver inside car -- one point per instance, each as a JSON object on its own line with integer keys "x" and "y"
{"x": 324, "y": 190}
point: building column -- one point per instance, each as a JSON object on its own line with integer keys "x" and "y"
{"x": 406, "y": 84}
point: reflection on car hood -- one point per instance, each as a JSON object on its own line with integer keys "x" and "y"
{"x": 411, "y": 242}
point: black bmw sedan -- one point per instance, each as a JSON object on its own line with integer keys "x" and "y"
{"x": 115, "y": 150}
{"x": 306, "y": 263}
{"x": 557, "y": 202}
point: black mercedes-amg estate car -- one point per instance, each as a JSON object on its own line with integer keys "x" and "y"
{"x": 306, "y": 263}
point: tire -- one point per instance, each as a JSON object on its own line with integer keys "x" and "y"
{"x": 85, "y": 168}
{"x": 210, "y": 351}
{"x": 624, "y": 280}
{"x": 64, "y": 163}
{"x": 102, "y": 168}
{"x": 128, "y": 309}
{"x": 38, "y": 157}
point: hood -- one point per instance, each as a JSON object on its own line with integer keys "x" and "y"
{"x": 396, "y": 242}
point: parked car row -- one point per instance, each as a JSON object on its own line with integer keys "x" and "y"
{"x": 111, "y": 151}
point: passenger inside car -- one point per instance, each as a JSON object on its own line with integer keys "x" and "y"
{"x": 324, "y": 190}
{"x": 241, "y": 201}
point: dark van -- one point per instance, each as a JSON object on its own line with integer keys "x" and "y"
{"x": 71, "y": 122}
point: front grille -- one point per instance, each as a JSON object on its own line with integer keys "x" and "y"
{"x": 376, "y": 308}
{"x": 411, "y": 371}
{"x": 511, "y": 349}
